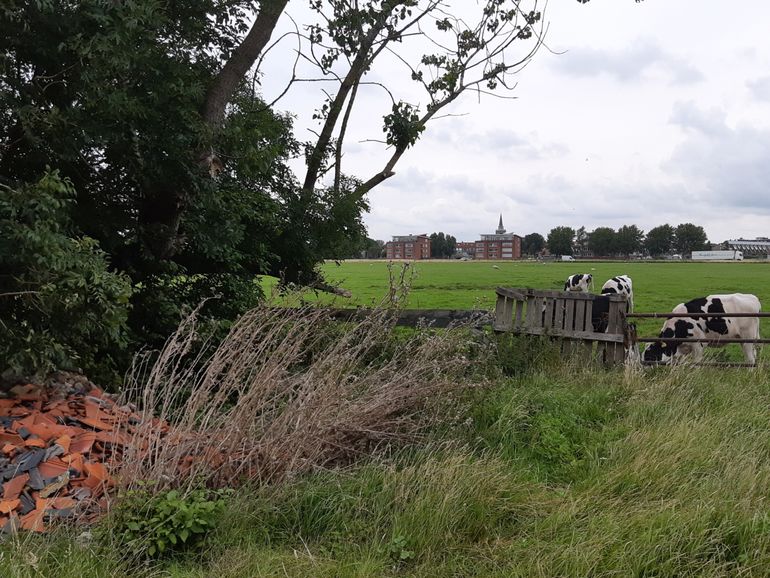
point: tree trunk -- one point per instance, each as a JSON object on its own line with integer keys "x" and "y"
{"x": 241, "y": 60}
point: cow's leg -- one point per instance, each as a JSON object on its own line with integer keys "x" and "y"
{"x": 697, "y": 352}
{"x": 750, "y": 349}
{"x": 749, "y": 352}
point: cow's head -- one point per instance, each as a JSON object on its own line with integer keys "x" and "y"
{"x": 666, "y": 351}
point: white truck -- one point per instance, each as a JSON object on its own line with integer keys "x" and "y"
{"x": 717, "y": 256}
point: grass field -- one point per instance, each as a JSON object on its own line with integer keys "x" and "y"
{"x": 658, "y": 287}
{"x": 468, "y": 284}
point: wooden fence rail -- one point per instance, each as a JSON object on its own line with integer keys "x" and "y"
{"x": 581, "y": 319}
{"x": 439, "y": 318}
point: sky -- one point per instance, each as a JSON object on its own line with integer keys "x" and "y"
{"x": 634, "y": 113}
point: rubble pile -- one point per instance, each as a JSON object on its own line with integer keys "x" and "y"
{"x": 59, "y": 443}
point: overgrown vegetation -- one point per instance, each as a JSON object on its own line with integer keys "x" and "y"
{"x": 61, "y": 306}
{"x": 557, "y": 471}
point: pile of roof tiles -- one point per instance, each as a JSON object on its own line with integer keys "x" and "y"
{"x": 58, "y": 445}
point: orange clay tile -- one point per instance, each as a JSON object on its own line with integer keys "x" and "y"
{"x": 33, "y": 521}
{"x": 43, "y": 503}
{"x": 95, "y": 485}
{"x": 7, "y": 403}
{"x": 45, "y": 418}
{"x": 41, "y": 430}
{"x": 34, "y": 443}
{"x": 62, "y": 503}
{"x": 23, "y": 422}
{"x": 13, "y": 487}
{"x": 52, "y": 468}
{"x": 11, "y": 438}
{"x": 97, "y": 470}
{"x": 95, "y": 423}
{"x": 83, "y": 443}
{"x": 114, "y": 437}
{"x": 9, "y": 449}
{"x": 8, "y": 506}
{"x": 64, "y": 441}
{"x": 74, "y": 460}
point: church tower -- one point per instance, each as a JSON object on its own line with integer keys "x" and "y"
{"x": 500, "y": 228}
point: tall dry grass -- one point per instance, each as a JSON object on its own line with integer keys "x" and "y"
{"x": 286, "y": 391}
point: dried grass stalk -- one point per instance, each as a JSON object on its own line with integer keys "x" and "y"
{"x": 286, "y": 391}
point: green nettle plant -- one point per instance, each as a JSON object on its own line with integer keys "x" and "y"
{"x": 161, "y": 524}
{"x": 60, "y": 305}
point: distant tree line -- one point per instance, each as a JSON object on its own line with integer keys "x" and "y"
{"x": 625, "y": 241}
{"x": 601, "y": 242}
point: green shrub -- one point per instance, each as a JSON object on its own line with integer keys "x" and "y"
{"x": 160, "y": 524}
{"x": 60, "y": 305}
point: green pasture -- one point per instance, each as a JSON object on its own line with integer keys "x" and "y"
{"x": 471, "y": 284}
{"x": 468, "y": 284}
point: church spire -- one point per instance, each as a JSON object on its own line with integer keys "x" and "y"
{"x": 500, "y": 228}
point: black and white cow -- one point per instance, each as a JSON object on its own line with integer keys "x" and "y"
{"x": 620, "y": 285}
{"x": 579, "y": 282}
{"x": 711, "y": 328}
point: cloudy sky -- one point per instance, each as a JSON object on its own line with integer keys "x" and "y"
{"x": 648, "y": 113}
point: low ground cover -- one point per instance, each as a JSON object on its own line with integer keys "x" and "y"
{"x": 555, "y": 470}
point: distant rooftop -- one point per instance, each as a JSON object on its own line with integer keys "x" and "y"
{"x": 407, "y": 238}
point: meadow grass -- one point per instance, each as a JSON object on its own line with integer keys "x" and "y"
{"x": 658, "y": 286}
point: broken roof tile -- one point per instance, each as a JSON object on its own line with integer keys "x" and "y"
{"x": 12, "y": 488}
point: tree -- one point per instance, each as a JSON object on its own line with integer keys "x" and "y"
{"x": 68, "y": 310}
{"x": 689, "y": 238}
{"x": 532, "y": 244}
{"x": 442, "y": 246}
{"x": 560, "y": 240}
{"x": 629, "y": 239}
{"x": 581, "y": 241}
{"x": 602, "y": 241}
{"x": 660, "y": 240}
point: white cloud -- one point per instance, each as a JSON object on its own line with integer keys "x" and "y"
{"x": 760, "y": 88}
{"x": 641, "y": 59}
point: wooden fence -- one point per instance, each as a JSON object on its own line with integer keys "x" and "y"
{"x": 583, "y": 320}
{"x": 595, "y": 327}
{"x": 439, "y": 318}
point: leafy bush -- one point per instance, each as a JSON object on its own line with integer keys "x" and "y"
{"x": 60, "y": 305}
{"x": 156, "y": 525}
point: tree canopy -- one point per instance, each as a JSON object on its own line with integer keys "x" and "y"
{"x": 629, "y": 239}
{"x": 602, "y": 241}
{"x": 689, "y": 237}
{"x": 660, "y": 240}
{"x": 442, "y": 246}
{"x": 560, "y": 240}
{"x": 532, "y": 244}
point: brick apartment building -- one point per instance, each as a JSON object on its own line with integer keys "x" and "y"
{"x": 501, "y": 245}
{"x": 415, "y": 247}
{"x": 468, "y": 247}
